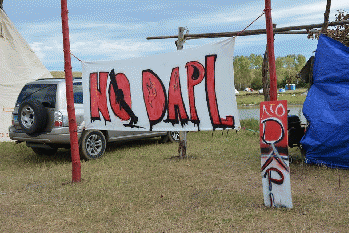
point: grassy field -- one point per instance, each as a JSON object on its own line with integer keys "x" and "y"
{"x": 142, "y": 186}
{"x": 293, "y": 97}
{"x": 60, "y": 74}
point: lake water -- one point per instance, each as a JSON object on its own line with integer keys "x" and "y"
{"x": 253, "y": 112}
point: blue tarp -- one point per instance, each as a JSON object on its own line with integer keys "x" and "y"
{"x": 327, "y": 106}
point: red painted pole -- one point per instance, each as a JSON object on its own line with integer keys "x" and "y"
{"x": 270, "y": 43}
{"x": 76, "y": 166}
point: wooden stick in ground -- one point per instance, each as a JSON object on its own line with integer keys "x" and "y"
{"x": 271, "y": 55}
{"x": 75, "y": 156}
{"x": 182, "y": 149}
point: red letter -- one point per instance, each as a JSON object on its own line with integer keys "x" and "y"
{"x": 195, "y": 75}
{"x": 273, "y": 180}
{"x": 154, "y": 97}
{"x": 124, "y": 85}
{"x": 176, "y": 106}
{"x": 98, "y": 96}
{"x": 217, "y": 122}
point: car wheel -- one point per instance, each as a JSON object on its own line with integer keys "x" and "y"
{"x": 172, "y": 136}
{"x": 32, "y": 116}
{"x": 93, "y": 144}
{"x": 44, "y": 151}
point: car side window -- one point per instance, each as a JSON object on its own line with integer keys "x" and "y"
{"x": 78, "y": 95}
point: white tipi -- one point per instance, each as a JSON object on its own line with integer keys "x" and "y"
{"x": 18, "y": 65}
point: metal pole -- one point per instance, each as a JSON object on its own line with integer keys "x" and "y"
{"x": 76, "y": 166}
{"x": 271, "y": 56}
{"x": 182, "y": 149}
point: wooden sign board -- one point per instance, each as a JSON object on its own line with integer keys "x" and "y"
{"x": 275, "y": 167}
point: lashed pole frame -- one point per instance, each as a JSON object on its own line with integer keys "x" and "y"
{"x": 76, "y": 165}
{"x": 302, "y": 29}
{"x": 182, "y": 149}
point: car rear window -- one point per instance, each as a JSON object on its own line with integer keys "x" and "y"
{"x": 41, "y": 92}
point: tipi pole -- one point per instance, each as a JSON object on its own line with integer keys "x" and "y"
{"x": 76, "y": 166}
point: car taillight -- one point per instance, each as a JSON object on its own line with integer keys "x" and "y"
{"x": 58, "y": 119}
{"x": 14, "y": 118}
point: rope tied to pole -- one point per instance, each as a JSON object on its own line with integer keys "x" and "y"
{"x": 250, "y": 24}
{"x": 185, "y": 37}
{"x": 76, "y": 57}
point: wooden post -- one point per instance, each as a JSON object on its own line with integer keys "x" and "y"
{"x": 265, "y": 80}
{"x": 271, "y": 56}
{"x": 275, "y": 166}
{"x": 265, "y": 71}
{"x": 76, "y": 166}
{"x": 182, "y": 149}
{"x": 326, "y": 16}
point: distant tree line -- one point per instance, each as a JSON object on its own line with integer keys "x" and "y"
{"x": 248, "y": 71}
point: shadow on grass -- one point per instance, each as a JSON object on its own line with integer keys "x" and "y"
{"x": 143, "y": 143}
{"x": 135, "y": 143}
{"x": 64, "y": 155}
{"x": 178, "y": 158}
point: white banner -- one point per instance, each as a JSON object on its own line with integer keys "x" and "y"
{"x": 185, "y": 90}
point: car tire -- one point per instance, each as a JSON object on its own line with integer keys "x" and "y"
{"x": 44, "y": 151}
{"x": 171, "y": 136}
{"x": 32, "y": 117}
{"x": 93, "y": 144}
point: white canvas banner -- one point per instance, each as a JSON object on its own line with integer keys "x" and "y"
{"x": 186, "y": 90}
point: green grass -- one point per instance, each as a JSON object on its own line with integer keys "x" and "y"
{"x": 254, "y": 98}
{"x": 142, "y": 186}
{"x": 61, "y": 74}
{"x": 250, "y": 124}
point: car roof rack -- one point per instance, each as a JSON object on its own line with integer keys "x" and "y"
{"x": 49, "y": 79}
{"x": 56, "y": 78}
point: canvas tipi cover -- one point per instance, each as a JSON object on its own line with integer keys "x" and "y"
{"x": 18, "y": 65}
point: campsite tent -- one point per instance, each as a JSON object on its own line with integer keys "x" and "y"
{"x": 18, "y": 65}
{"x": 327, "y": 106}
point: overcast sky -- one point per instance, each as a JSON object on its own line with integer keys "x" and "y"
{"x": 117, "y": 29}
